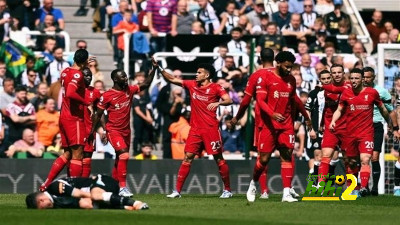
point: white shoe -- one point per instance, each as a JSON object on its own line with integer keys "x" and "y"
{"x": 125, "y": 192}
{"x": 174, "y": 194}
{"x": 264, "y": 195}
{"x": 251, "y": 192}
{"x": 293, "y": 193}
{"x": 226, "y": 194}
{"x": 288, "y": 198}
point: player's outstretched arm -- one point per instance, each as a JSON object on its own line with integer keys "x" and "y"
{"x": 146, "y": 84}
{"x": 72, "y": 94}
{"x": 167, "y": 76}
{"x": 335, "y": 117}
{"x": 261, "y": 97}
{"x": 243, "y": 107}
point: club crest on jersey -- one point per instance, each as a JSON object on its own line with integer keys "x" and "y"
{"x": 118, "y": 144}
{"x": 276, "y": 94}
{"x": 366, "y": 97}
{"x": 117, "y": 106}
{"x": 289, "y": 85}
{"x": 63, "y": 74}
{"x": 77, "y": 75}
{"x": 208, "y": 91}
{"x": 91, "y": 94}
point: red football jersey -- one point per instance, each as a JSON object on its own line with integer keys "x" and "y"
{"x": 280, "y": 98}
{"x": 360, "y": 111}
{"x": 332, "y": 95}
{"x": 92, "y": 96}
{"x": 72, "y": 109}
{"x": 118, "y": 105}
{"x": 255, "y": 79}
{"x": 200, "y": 98}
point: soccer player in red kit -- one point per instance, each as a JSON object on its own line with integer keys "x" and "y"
{"x": 359, "y": 104}
{"x": 118, "y": 101}
{"x": 72, "y": 127}
{"x": 276, "y": 99}
{"x": 204, "y": 132}
{"x": 338, "y": 137}
{"x": 92, "y": 96}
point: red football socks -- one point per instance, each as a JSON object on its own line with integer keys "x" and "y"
{"x": 286, "y": 174}
{"x": 56, "y": 168}
{"x": 86, "y": 167}
{"x": 121, "y": 168}
{"x": 182, "y": 175}
{"x": 259, "y": 168}
{"x": 75, "y": 168}
{"x": 224, "y": 173}
{"x": 323, "y": 168}
{"x": 365, "y": 173}
{"x": 263, "y": 181}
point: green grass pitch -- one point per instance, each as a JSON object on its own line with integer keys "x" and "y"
{"x": 210, "y": 210}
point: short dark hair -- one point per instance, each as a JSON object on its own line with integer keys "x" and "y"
{"x": 30, "y": 58}
{"x": 20, "y": 88}
{"x": 337, "y": 65}
{"x": 357, "y": 70}
{"x": 7, "y": 79}
{"x": 210, "y": 69}
{"x": 46, "y": 99}
{"x": 57, "y": 47}
{"x": 369, "y": 69}
{"x": 81, "y": 56}
{"x": 272, "y": 24}
{"x": 115, "y": 72}
{"x": 86, "y": 71}
{"x": 285, "y": 56}
{"x": 79, "y": 41}
{"x": 323, "y": 72}
{"x": 237, "y": 29}
{"x": 30, "y": 200}
{"x": 228, "y": 117}
{"x": 29, "y": 70}
{"x": 146, "y": 144}
{"x": 267, "y": 55}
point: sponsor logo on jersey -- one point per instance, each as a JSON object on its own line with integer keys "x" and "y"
{"x": 366, "y": 97}
{"x": 199, "y": 97}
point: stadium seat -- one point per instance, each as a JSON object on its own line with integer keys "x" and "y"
{"x": 20, "y": 155}
{"x": 49, "y": 155}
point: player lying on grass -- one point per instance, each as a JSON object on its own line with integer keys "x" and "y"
{"x": 99, "y": 191}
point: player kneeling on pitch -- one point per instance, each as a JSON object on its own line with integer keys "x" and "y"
{"x": 99, "y": 191}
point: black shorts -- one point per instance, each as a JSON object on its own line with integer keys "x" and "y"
{"x": 378, "y": 136}
{"x": 315, "y": 144}
{"x": 106, "y": 183}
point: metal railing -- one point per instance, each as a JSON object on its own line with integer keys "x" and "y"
{"x": 365, "y": 38}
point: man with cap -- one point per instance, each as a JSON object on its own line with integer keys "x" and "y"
{"x": 254, "y": 15}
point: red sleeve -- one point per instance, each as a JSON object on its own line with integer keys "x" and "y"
{"x": 243, "y": 106}
{"x": 187, "y": 84}
{"x": 103, "y": 102}
{"x": 343, "y": 99}
{"x": 134, "y": 89}
{"x": 71, "y": 93}
{"x": 263, "y": 105}
{"x": 251, "y": 84}
{"x": 221, "y": 90}
{"x": 333, "y": 89}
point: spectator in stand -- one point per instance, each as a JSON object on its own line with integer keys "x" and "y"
{"x": 48, "y": 25}
{"x": 302, "y": 48}
{"x": 282, "y": 17}
{"x": 346, "y": 46}
{"x": 318, "y": 25}
{"x": 236, "y": 45}
{"x": 229, "y": 19}
{"x": 179, "y": 133}
{"x": 99, "y": 85}
{"x": 7, "y": 95}
{"x": 375, "y": 28}
{"x": 82, "y": 11}
{"x": 233, "y": 143}
{"x": 324, "y": 7}
{"x": 229, "y": 71}
{"x": 49, "y": 45}
{"x": 233, "y": 94}
{"x": 245, "y": 24}
{"x": 344, "y": 27}
{"x": 5, "y": 20}
{"x": 296, "y": 28}
{"x": 97, "y": 74}
{"x": 319, "y": 67}
{"x": 55, "y": 93}
{"x": 20, "y": 115}
{"x": 162, "y": 20}
{"x": 254, "y": 15}
{"x": 272, "y": 39}
{"x": 208, "y": 17}
{"x": 197, "y": 28}
{"x": 262, "y": 28}
{"x": 48, "y": 9}
{"x": 308, "y": 16}
{"x": 308, "y": 73}
{"x": 319, "y": 45}
{"x": 332, "y": 19}
{"x": 244, "y": 6}
{"x": 3, "y": 146}
{"x": 168, "y": 99}
{"x": 147, "y": 149}
{"x": 124, "y": 26}
{"x": 80, "y": 44}
{"x": 3, "y": 74}
{"x": 383, "y": 39}
{"x": 24, "y": 11}
{"x": 359, "y": 55}
{"x": 30, "y": 86}
{"x": 39, "y": 100}
{"x": 22, "y": 78}
{"x": 388, "y": 26}
{"x": 185, "y": 19}
{"x": 219, "y": 62}
{"x": 300, "y": 84}
{"x": 142, "y": 121}
{"x": 329, "y": 52}
{"x": 27, "y": 144}
{"x": 55, "y": 68}
{"x": 394, "y": 36}
{"x": 47, "y": 122}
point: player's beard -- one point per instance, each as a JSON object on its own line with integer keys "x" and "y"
{"x": 283, "y": 72}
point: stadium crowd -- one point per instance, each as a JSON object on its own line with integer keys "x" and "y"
{"x": 30, "y": 101}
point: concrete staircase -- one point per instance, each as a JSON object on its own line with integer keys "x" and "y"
{"x": 81, "y": 28}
